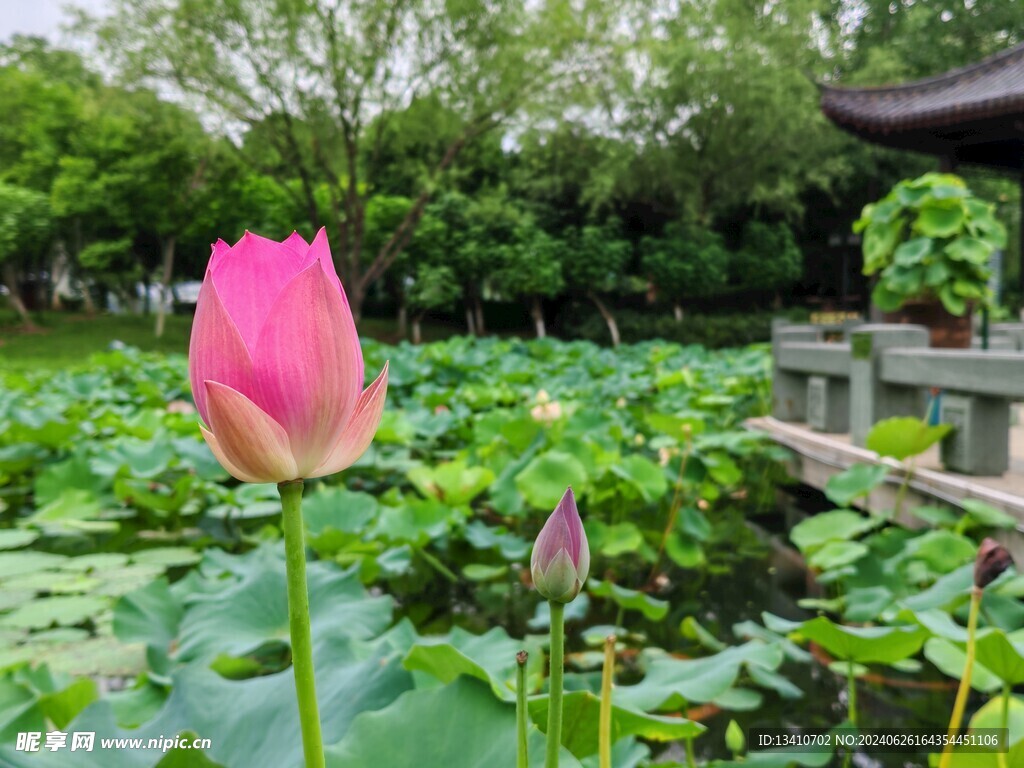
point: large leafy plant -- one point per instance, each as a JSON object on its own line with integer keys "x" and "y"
{"x": 930, "y": 238}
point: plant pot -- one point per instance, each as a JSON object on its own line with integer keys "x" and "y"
{"x": 946, "y": 331}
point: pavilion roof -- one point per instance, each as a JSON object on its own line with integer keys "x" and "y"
{"x": 973, "y": 114}
{"x": 991, "y": 88}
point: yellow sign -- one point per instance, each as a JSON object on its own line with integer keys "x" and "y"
{"x": 833, "y": 318}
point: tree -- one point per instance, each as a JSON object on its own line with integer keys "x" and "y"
{"x": 133, "y": 171}
{"x": 723, "y": 112}
{"x": 768, "y": 258}
{"x": 594, "y": 262}
{"x": 569, "y": 174}
{"x": 41, "y": 100}
{"x": 25, "y": 227}
{"x": 688, "y": 261}
{"x": 879, "y": 42}
{"x": 312, "y": 76}
{"x": 476, "y": 233}
{"x": 433, "y": 286}
{"x": 384, "y": 213}
{"x": 531, "y": 268}
{"x": 114, "y": 264}
{"x": 117, "y": 163}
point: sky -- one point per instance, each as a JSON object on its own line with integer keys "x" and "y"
{"x": 39, "y": 17}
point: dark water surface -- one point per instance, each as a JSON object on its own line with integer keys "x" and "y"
{"x": 774, "y": 581}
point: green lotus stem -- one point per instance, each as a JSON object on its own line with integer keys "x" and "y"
{"x": 902, "y": 492}
{"x": 438, "y": 566}
{"x": 555, "y": 685}
{"x": 522, "y": 753}
{"x": 1004, "y": 717}
{"x": 620, "y": 616}
{"x": 691, "y": 758}
{"x": 604, "y": 732}
{"x": 965, "y": 679}
{"x": 851, "y": 689}
{"x": 298, "y": 622}
{"x": 851, "y": 706}
{"x": 673, "y": 513}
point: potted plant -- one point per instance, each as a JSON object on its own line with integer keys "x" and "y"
{"x": 930, "y": 241}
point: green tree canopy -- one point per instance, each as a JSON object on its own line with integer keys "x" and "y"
{"x": 687, "y": 261}
{"x": 25, "y": 227}
{"x": 768, "y": 258}
{"x": 531, "y": 267}
{"x": 315, "y": 76}
{"x": 594, "y": 261}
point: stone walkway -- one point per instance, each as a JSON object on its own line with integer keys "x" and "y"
{"x": 818, "y": 456}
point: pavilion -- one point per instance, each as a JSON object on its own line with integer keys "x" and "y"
{"x": 969, "y": 115}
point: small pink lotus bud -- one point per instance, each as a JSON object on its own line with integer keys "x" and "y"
{"x": 990, "y": 563}
{"x": 561, "y": 555}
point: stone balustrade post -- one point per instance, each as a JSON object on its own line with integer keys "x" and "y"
{"x": 871, "y": 399}
{"x": 789, "y": 390}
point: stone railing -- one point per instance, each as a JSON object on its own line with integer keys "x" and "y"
{"x": 877, "y": 371}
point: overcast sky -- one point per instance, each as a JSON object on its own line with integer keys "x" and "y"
{"x": 39, "y": 17}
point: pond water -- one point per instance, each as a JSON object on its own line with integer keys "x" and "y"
{"x": 774, "y": 580}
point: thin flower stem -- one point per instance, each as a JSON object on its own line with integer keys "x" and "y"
{"x": 691, "y": 758}
{"x": 1004, "y": 717}
{"x": 851, "y": 706}
{"x": 965, "y": 680}
{"x": 555, "y": 685}
{"x": 604, "y": 733}
{"x": 902, "y": 492}
{"x": 438, "y": 566}
{"x": 522, "y": 752}
{"x": 673, "y": 513}
{"x": 851, "y": 688}
{"x": 298, "y": 622}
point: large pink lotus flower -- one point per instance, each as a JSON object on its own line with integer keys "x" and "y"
{"x": 275, "y": 363}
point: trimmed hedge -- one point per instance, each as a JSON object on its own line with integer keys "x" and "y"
{"x": 712, "y": 331}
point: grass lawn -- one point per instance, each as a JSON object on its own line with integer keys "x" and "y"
{"x": 64, "y": 339}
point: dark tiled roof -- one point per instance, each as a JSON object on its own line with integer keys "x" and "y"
{"x": 991, "y": 88}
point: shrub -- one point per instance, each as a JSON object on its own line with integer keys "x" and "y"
{"x": 711, "y": 331}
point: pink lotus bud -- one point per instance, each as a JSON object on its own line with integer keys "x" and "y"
{"x": 561, "y": 555}
{"x": 274, "y": 359}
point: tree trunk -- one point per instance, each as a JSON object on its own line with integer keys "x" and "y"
{"x": 355, "y": 295}
{"x": 609, "y": 318}
{"x": 76, "y": 248}
{"x": 417, "y": 331}
{"x": 537, "y": 311}
{"x": 10, "y": 275}
{"x": 165, "y": 284}
{"x": 402, "y": 319}
{"x": 478, "y": 309}
{"x": 470, "y": 320}
{"x": 87, "y": 303}
{"x": 60, "y": 275}
{"x": 677, "y": 310}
